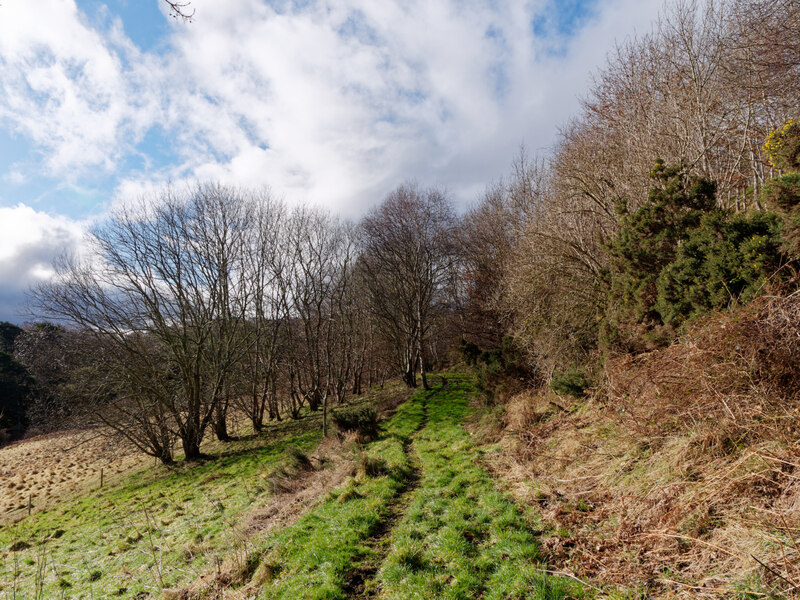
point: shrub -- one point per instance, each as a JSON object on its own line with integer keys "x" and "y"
{"x": 726, "y": 258}
{"x": 782, "y": 146}
{"x": 648, "y": 241}
{"x": 572, "y": 382}
{"x": 470, "y": 352}
{"x": 363, "y": 420}
{"x": 679, "y": 256}
{"x": 782, "y": 194}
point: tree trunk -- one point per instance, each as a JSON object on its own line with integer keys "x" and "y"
{"x": 325, "y": 416}
{"x": 424, "y": 376}
{"x": 410, "y": 369}
{"x": 420, "y": 349}
{"x": 357, "y": 384}
{"x": 163, "y": 453}
{"x": 191, "y": 449}
{"x": 221, "y": 421}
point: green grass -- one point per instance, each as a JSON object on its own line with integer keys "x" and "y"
{"x": 159, "y": 528}
{"x": 460, "y": 537}
{"x": 312, "y": 558}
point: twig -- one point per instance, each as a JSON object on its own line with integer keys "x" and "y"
{"x": 709, "y": 589}
{"x": 774, "y": 572}
{"x": 691, "y": 539}
{"x": 571, "y": 576}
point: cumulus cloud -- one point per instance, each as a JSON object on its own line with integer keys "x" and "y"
{"x": 338, "y": 102}
{"x": 333, "y": 102}
{"x": 29, "y": 241}
{"x": 82, "y": 95}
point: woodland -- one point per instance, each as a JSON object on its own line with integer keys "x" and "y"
{"x": 612, "y": 325}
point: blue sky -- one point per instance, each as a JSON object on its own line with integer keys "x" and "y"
{"x": 330, "y": 102}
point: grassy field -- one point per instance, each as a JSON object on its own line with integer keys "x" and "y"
{"x": 460, "y": 537}
{"x": 417, "y": 517}
{"x": 159, "y": 528}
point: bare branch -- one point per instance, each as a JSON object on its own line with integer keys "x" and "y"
{"x": 180, "y": 10}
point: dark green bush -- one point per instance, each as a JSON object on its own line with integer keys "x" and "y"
{"x": 572, "y": 382}
{"x": 470, "y": 352}
{"x": 728, "y": 257}
{"x": 679, "y": 256}
{"x": 782, "y": 194}
{"x": 646, "y": 243}
{"x": 364, "y": 420}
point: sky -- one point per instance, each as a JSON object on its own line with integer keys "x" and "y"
{"x": 328, "y": 102}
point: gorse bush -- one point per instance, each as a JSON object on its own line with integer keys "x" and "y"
{"x": 647, "y": 242}
{"x": 782, "y": 146}
{"x": 728, "y": 257}
{"x": 782, "y": 194}
{"x": 470, "y": 352}
{"x": 496, "y": 366}
{"x": 679, "y": 256}
{"x": 363, "y": 420}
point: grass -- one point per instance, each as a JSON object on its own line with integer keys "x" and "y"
{"x": 461, "y": 538}
{"x": 156, "y": 529}
{"x": 458, "y": 539}
{"x": 313, "y": 558}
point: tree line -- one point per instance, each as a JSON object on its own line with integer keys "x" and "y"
{"x": 672, "y": 193}
{"x": 190, "y": 304}
{"x": 658, "y": 201}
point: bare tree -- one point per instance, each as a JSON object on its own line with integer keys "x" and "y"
{"x": 159, "y": 296}
{"x": 265, "y": 268}
{"x": 321, "y": 252}
{"x": 408, "y": 257}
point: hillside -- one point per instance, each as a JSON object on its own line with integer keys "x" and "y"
{"x": 411, "y": 514}
{"x": 676, "y": 477}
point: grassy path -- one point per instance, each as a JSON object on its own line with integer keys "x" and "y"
{"x": 461, "y": 538}
{"x": 328, "y": 553}
{"x": 422, "y": 521}
{"x": 362, "y": 582}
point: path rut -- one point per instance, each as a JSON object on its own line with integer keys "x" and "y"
{"x": 361, "y": 582}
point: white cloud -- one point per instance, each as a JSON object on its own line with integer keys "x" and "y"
{"x": 338, "y": 102}
{"x": 15, "y": 177}
{"x": 65, "y": 86}
{"x": 29, "y": 241}
{"x": 331, "y": 101}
